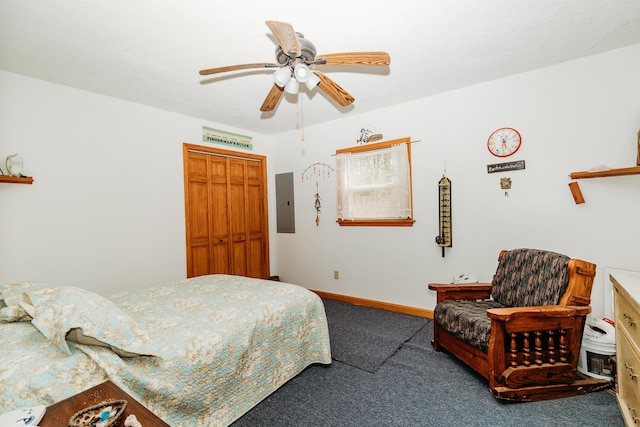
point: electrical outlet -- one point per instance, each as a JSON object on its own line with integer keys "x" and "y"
{"x": 336, "y": 274}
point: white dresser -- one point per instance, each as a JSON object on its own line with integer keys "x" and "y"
{"x": 626, "y": 286}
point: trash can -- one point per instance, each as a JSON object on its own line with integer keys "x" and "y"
{"x": 598, "y": 350}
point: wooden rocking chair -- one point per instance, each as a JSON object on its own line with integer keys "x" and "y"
{"x": 525, "y": 339}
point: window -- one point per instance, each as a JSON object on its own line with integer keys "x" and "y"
{"x": 374, "y": 184}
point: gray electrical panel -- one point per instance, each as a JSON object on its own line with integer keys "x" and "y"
{"x": 284, "y": 203}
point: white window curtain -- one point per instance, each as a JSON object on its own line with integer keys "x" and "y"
{"x": 374, "y": 184}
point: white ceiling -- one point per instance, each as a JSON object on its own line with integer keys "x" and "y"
{"x": 150, "y": 51}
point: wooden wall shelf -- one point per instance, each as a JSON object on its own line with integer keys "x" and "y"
{"x": 634, "y": 170}
{"x": 16, "y": 179}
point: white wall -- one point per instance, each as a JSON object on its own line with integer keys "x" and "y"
{"x": 572, "y": 117}
{"x": 106, "y": 211}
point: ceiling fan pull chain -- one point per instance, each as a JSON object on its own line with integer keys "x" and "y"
{"x": 300, "y": 111}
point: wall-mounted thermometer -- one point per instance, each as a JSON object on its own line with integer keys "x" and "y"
{"x": 443, "y": 239}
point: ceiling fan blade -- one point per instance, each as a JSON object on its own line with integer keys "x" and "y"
{"x": 286, "y": 36}
{"x": 332, "y": 89}
{"x": 356, "y": 58}
{"x": 272, "y": 98}
{"x": 236, "y": 67}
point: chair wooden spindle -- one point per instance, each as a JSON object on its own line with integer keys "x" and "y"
{"x": 514, "y": 350}
{"x": 526, "y": 349}
{"x": 538, "y": 344}
{"x": 552, "y": 348}
{"x": 563, "y": 346}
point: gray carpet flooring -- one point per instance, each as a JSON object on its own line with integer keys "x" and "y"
{"x": 366, "y": 337}
{"x": 415, "y": 386}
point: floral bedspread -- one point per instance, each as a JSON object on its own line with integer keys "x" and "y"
{"x": 221, "y": 344}
{"x": 35, "y": 372}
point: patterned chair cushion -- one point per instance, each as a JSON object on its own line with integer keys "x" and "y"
{"x": 530, "y": 277}
{"x": 466, "y": 320}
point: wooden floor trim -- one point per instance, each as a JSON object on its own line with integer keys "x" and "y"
{"x": 414, "y": 311}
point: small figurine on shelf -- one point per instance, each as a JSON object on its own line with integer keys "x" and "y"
{"x": 367, "y": 135}
{"x": 14, "y": 165}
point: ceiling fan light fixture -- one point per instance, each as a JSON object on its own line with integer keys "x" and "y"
{"x": 292, "y": 87}
{"x": 282, "y": 76}
{"x": 302, "y": 73}
{"x": 312, "y": 81}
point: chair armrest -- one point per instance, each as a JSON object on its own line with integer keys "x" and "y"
{"x": 461, "y": 291}
{"x": 459, "y": 286}
{"x": 548, "y": 317}
{"x": 506, "y": 314}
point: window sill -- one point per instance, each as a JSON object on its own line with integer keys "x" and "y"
{"x": 377, "y": 222}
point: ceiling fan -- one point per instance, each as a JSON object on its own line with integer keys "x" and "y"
{"x": 296, "y": 61}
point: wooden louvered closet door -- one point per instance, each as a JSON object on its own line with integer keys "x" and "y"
{"x": 225, "y": 212}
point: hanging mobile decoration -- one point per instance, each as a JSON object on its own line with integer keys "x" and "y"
{"x": 317, "y": 205}
{"x": 321, "y": 170}
{"x": 444, "y": 239}
{"x": 317, "y": 170}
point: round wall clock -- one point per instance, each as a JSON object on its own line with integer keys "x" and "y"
{"x": 504, "y": 142}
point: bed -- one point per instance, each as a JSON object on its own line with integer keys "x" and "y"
{"x": 201, "y": 351}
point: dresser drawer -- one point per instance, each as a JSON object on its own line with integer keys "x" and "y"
{"x": 628, "y": 377}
